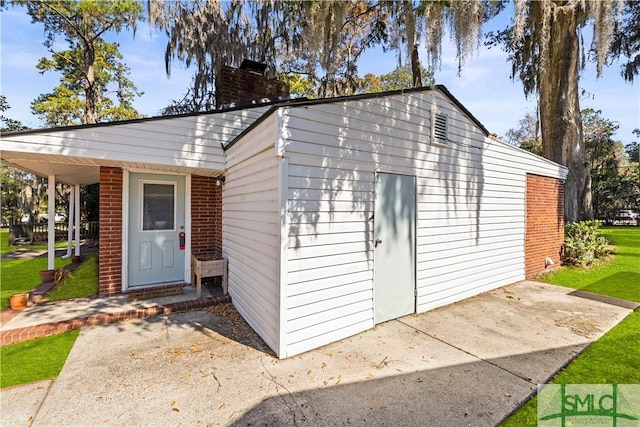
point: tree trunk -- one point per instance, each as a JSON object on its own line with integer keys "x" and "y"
{"x": 90, "y": 80}
{"x": 415, "y": 67}
{"x": 560, "y": 113}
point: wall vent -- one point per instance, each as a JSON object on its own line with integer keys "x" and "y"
{"x": 438, "y": 128}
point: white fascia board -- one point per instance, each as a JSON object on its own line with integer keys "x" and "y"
{"x": 281, "y": 129}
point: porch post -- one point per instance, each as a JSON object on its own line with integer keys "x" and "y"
{"x": 76, "y": 212}
{"x": 51, "y": 222}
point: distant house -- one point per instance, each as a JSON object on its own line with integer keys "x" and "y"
{"x": 334, "y": 215}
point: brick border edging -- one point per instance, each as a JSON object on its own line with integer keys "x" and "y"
{"x": 13, "y": 336}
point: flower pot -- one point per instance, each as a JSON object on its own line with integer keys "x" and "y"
{"x": 47, "y": 275}
{"x": 18, "y": 301}
{"x": 76, "y": 259}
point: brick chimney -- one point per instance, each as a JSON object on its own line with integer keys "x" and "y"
{"x": 246, "y": 83}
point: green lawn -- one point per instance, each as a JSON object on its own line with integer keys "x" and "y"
{"x": 5, "y": 248}
{"x": 21, "y": 275}
{"x": 81, "y": 282}
{"x": 614, "y": 358}
{"x": 42, "y": 358}
{"x": 619, "y": 278}
{"x": 35, "y": 360}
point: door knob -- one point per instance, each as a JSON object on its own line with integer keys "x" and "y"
{"x": 377, "y": 242}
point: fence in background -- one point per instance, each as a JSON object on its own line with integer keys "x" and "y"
{"x": 40, "y": 232}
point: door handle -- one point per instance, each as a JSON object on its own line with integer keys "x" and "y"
{"x": 376, "y": 243}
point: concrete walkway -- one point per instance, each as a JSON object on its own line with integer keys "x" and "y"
{"x": 467, "y": 364}
{"x": 41, "y": 320}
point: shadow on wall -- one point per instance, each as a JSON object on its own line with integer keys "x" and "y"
{"x": 391, "y": 135}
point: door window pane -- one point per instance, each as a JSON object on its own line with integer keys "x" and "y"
{"x": 158, "y": 206}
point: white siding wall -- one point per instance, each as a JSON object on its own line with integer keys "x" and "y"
{"x": 192, "y": 142}
{"x": 470, "y": 209}
{"x": 251, "y": 228}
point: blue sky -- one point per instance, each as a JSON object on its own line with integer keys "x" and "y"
{"x": 484, "y": 86}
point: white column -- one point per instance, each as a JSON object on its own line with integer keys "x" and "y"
{"x": 51, "y": 223}
{"x": 70, "y": 224}
{"x": 76, "y": 212}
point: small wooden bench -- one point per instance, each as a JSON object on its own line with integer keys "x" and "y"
{"x": 208, "y": 266}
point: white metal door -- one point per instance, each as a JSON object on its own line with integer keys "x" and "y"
{"x": 394, "y": 246}
{"x": 156, "y": 221}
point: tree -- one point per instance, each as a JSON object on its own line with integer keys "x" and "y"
{"x": 210, "y": 34}
{"x": 10, "y": 196}
{"x": 614, "y": 182}
{"x": 627, "y": 40}
{"x": 400, "y": 78}
{"x": 22, "y": 193}
{"x": 322, "y": 40}
{"x": 602, "y": 151}
{"x": 7, "y": 124}
{"x": 527, "y": 135}
{"x": 633, "y": 149}
{"x": 398, "y": 25}
{"x": 319, "y": 40}
{"x": 91, "y": 67}
{"x": 545, "y": 44}
{"x": 193, "y": 100}
{"x": 615, "y": 189}
{"x": 332, "y": 39}
{"x": 299, "y": 85}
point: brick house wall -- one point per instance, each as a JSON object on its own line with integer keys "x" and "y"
{"x": 544, "y": 234}
{"x": 206, "y": 216}
{"x": 206, "y": 225}
{"x": 110, "y": 238}
{"x": 234, "y": 84}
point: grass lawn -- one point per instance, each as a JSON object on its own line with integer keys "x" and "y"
{"x": 81, "y": 282}
{"x": 35, "y": 360}
{"x": 614, "y": 358}
{"x": 42, "y": 358}
{"x": 5, "y": 248}
{"x": 619, "y": 278}
{"x": 21, "y": 275}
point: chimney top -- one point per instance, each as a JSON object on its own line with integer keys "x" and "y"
{"x": 250, "y": 65}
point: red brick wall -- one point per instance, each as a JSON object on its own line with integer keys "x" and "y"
{"x": 545, "y": 223}
{"x": 206, "y": 216}
{"x": 233, "y": 84}
{"x": 110, "y": 247}
{"x": 206, "y": 225}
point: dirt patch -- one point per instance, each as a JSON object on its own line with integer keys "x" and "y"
{"x": 230, "y": 324}
{"x": 582, "y": 326}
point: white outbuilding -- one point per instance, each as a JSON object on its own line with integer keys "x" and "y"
{"x": 340, "y": 214}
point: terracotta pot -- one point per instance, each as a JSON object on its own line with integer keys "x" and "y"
{"x": 18, "y": 301}
{"x": 47, "y": 275}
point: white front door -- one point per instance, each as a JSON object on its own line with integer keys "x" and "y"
{"x": 156, "y": 221}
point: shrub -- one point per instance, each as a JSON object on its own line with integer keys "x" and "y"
{"x": 583, "y": 244}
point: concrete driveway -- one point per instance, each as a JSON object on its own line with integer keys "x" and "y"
{"x": 467, "y": 364}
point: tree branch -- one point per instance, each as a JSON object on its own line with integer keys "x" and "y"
{"x": 64, "y": 58}
{"x": 68, "y": 21}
